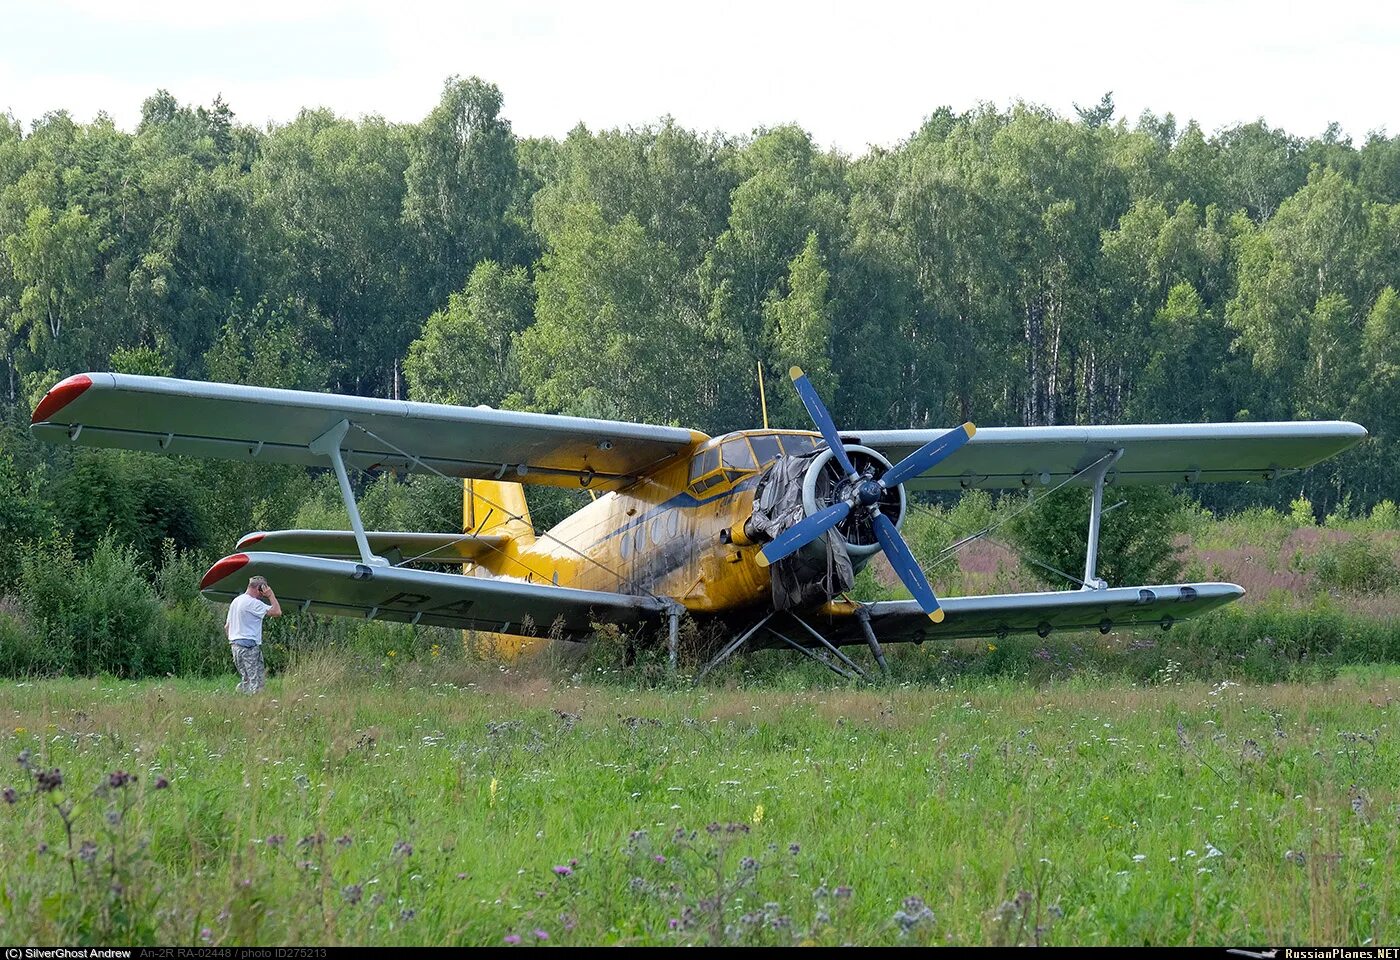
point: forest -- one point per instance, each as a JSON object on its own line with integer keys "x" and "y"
{"x": 1007, "y": 266}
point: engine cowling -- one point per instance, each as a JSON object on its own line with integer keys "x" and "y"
{"x": 825, "y": 484}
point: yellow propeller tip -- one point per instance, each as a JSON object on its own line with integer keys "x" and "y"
{"x": 970, "y": 429}
{"x": 760, "y": 559}
{"x": 795, "y": 373}
{"x": 937, "y": 615}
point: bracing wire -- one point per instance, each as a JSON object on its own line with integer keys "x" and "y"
{"x": 545, "y": 534}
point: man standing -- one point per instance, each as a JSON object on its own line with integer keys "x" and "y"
{"x": 243, "y": 627}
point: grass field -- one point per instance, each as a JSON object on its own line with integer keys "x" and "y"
{"x": 465, "y": 804}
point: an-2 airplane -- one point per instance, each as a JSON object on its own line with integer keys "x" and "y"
{"x": 751, "y": 529}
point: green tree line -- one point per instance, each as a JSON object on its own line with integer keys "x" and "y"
{"x": 1009, "y": 266}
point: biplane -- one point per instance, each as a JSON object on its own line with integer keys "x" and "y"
{"x": 758, "y": 531}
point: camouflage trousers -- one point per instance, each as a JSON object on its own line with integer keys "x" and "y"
{"x": 251, "y": 671}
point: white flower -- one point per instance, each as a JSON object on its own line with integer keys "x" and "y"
{"x": 1139, "y": 857}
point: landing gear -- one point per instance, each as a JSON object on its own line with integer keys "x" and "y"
{"x": 837, "y": 662}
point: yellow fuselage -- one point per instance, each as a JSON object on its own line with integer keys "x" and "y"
{"x": 664, "y": 534}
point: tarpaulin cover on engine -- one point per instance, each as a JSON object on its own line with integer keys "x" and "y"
{"x": 810, "y": 575}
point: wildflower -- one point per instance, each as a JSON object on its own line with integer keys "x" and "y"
{"x": 19, "y": 731}
{"x": 393, "y": 653}
{"x": 343, "y": 840}
{"x": 407, "y": 914}
{"x": 275, "y": 840}
{"x": 352, "y": 893}
{"x": 88, "y": 852}
{"x": 119, "y": 778}
{"x": 659, "y": 858}
{"x": 494, "y": 784}
{"x": 206, "y": 934}
{"x": 748, "y": 863}
{"x": 49, "y": 781}
{"x": 161, "y": 783}
{"x": 1139, "y": 857}
{"x": 541, "y": 934}
{"x": 914, "y": 912}
{"x": 1211, "y": 851}
{"x": 113, "y": 816}
{"x": 991, "y": 648}
{"x": 512, "y": 939}
{"x": 673, "y": 923}
{"x": 563, "y": 871}
{"x": 794, "y": 849}
{"x": 312, "y": 840}
{"x": 758, "y": 814}
{"x": 43, "y": 848}
{"x": 843, "y": 893}
{"x": 402, "y": 848}
{"x": 9, "y": 794}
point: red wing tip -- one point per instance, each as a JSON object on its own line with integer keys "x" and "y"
{"x": 224, "y": 569}
{"x": 62, "y": 394}
{"x": 250, "y": 539}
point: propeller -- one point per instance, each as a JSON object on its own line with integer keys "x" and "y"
{"x": 862, "y": 491}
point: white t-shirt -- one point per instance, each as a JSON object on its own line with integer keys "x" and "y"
{"x": 245, "y": 619}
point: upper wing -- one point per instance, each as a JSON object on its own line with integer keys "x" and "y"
{"x": 1008, "y": 457}
{"x": 422, "y": 596}
{"x": 397, "y": 547}
{"x": 162, "y": 415}
{"x": 997, "y": 616}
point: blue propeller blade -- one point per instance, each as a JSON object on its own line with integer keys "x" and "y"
{"x": 821, "y": 418}
{"x": 802, "y": 533}
{"x": 927, "y": 455}
{"x": 907, "y": 567}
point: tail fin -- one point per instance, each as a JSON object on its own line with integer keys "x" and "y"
{"x": 496, "y": 507}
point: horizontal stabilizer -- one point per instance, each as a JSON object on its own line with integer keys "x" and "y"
{"x": 996, "y": 616}
{"x": 396, "y": 547}
{"x": 345, "y": 588}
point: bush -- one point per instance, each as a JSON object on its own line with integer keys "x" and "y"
{"x": 99, "y": 615}
{"x": 1355, "y": 565}
{"x": 1137, "y": 541}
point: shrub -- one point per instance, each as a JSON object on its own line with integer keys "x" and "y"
{"x": 99, "y": 616}
{"x": 1355, "y": 565}
{"x": 1137, "y": 541}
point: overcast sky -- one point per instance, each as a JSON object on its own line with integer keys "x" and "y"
{"x": 854, "y": 73}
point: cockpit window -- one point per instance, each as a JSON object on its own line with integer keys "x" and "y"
{"x": 737, "y": 455}
{"x": 795, "y": 445}
{"x": 766, "y": 448}
{"x": 706, "y": 462}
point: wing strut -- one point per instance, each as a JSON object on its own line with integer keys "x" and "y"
{"x": 863, "y": 615}
{"x": 1091, "y": 553}
{"x": 328, "y": 444}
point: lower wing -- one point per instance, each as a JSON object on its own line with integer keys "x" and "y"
{"x": 1043, "y": 613}
{"x": 345, "y": 588}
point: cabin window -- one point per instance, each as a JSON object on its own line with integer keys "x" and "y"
{"x": 766, "y": 448}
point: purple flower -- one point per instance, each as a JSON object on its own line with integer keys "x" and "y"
{"x": 206, "y": 934}
{"x": 673, "y": 923}
{"x": 352, "y": 893}
{"x": 10, "y": 795}
{"x": 843, "y": 893}
{"x": 88, "y": 852}
{"x": 563, "y": 871}
{"x": 541, "y": 935}
{"x": 275, "y": 841}
{"x": 343, "y": 840}
{"x": 49, "y": 781}
{"x": 403, "y": 848}
{"x": 659, "y": 858}
{"x": 794, "y": 849}
{"x": 512, "y": 938}
{"x": 162, "y": 783}
{"x": 119, "y": 778}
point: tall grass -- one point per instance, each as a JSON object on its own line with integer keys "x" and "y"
{"x": 459, "y": 804}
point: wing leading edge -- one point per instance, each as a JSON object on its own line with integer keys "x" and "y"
{"x": 1003, "y": 614}
{"x": 345, "y": 588}
{"x": 233, "y": 422}
{"x": 1011, "y": 457}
